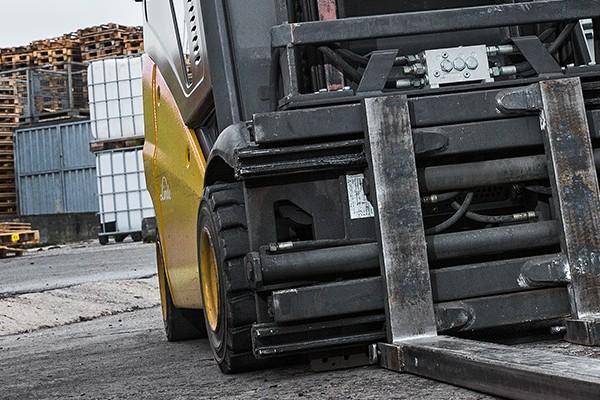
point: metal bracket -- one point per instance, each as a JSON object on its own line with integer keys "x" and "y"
{"x": 572, "y": 172}
{"x": 536, "y": 54}
{"x": 399, "y": 222}
{"x": 545, "y": 270}
{"x": 583, "y": 331}
{"x": 377, "y": 72}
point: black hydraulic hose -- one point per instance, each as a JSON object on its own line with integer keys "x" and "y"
{"x": 341, "y": 64}
{"x": 446, "y": 196}
{"x": 274, "y": 75}
{"x": 351, "y": 56}
{"x": 558, "y": 42}
{"x": 453, "y": 219}
{"x": 438, "y": 198}
{"x": 523, "y": 67}
{"x": 552, "y": 48}
{"x": 488, "y": 219}
{"x": 546, "y": 34}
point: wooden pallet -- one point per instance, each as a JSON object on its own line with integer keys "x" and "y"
{"x": 113, "y": 144}
{"x": 9, "y": 119}
{"x": 61, "y": 42}
{"x": 104, "y": 53}
{"x": 14, "y": 226}
{"x": 99, "y": 29}
{"x": 11, "y": 252}
{"x": 19, "y": 238}
{"x": 134, "y": 47}
{"x": 86, "y": 44}
{"x": 6, "y": 134}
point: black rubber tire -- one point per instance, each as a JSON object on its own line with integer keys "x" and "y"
{"x": 180, "y": 323}
{"x": 103, "y": 240}
{"x": 136, "y": 236}
{"x": 222, "y": 212}
{"x": 119, "y": 238}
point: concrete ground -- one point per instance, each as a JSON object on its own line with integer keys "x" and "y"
{"x": 83, "y": 321}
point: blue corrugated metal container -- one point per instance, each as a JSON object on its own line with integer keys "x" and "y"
{"x": 56, "y": 173}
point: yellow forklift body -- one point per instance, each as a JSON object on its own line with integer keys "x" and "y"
{"x": 172, "y": 154}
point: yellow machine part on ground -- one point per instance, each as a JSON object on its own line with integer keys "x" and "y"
{"x": 172, "y": 153}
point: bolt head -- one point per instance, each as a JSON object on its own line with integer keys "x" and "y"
{"x": 459, "y": 64}
{"x": 472, "y": 63}
{"x": 447, "y": 66}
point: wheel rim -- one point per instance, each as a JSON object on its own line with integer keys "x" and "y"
{"x": 210, "y": 280}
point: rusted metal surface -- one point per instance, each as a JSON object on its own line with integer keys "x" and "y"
{"x": 497, "y": 369}
{"x": 574, "y": 182}
{"x": 398, "y": 216}
{"x": 328, "y": 12}
{"x": 575, "y": 187}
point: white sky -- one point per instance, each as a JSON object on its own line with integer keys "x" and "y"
{"x": 22, "y": 21}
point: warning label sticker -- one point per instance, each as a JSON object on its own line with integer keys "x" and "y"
{"x": 359, "y": 204}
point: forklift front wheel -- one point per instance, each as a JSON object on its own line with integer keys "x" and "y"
{"x": 229, "y": 303}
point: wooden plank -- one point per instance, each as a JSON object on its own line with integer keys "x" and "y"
{"x": 14, "y": 226}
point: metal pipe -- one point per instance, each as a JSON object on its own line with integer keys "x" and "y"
{"x": 486, "y": 173}
{"x": 483, "y": 173}
{"x": 493, "y": 240}
{"x": 314, "y": 263}
{"x": 306, "y": 265}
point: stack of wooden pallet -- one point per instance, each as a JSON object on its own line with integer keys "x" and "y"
{"x": 57, "y": 52}
{"x": 15, "y": 236}
{"x": 14, "y": 58}
{"x": 109, "y": 40}
{"x": 9, "y": 120}
{"x": 89, "y": 44}
{"x": 134, "y": 41}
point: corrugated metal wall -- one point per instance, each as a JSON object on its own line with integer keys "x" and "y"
{"x": 56, "y": 173}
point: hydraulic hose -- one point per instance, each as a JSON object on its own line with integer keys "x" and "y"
{"x": 495, "y": 219}
{"x": 453, "y": 219}
{"x": 438, "y": 198}
{"x": 555, "y": 46}
{"x": 341, "y": 64}
{"x": 552, "y": 48}
{"x": 351, "y": 56}
{"x": 546, "y": 34}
